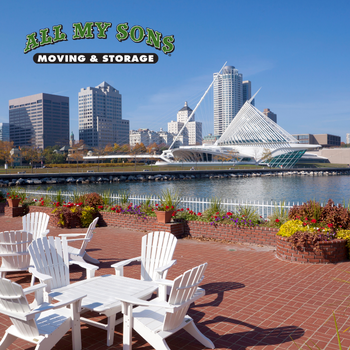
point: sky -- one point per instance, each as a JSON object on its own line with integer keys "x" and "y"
{"x": 297, "y": 52}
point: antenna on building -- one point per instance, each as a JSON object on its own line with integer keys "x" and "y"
{"x": 189, "y": 118}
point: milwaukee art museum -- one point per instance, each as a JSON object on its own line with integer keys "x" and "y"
{"x": 251, "y": 138}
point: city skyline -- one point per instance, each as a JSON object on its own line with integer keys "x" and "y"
{"x": 297, "y": 52}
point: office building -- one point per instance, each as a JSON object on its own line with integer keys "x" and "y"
{"x": 228, "y": 97}
{"x": 39, "y": 120}
{"x": 270, "y": 114}
{"x": 100, "y": 117}
{"x": 327, "y": 140}
{"x": 348, "y": 138}
{"x": 145, "y": 136}
{"x": 192, "y": 134}
{"x": 324, "y": 140}
{"x": 4, "y": 132}
{"x": 247, "y": 91}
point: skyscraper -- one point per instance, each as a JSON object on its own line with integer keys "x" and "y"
{"x": 39, "y": 120}
{"x": 228, "y": 97}
{"x": 270, "y": 114}
{"x": 193, "y": 129}
{"x": 4, "y": 132}
{"x": 100, "y": 116}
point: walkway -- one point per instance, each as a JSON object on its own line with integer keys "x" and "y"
{"x": 253, "y": 300}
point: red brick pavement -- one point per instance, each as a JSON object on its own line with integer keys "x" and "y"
{"x": 253, "y": 300}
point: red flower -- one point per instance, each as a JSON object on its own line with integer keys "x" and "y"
{"x": 305, "y": 219}
{"x": 217, "y": 213}
{"x": 229, "y": 213}
{"x": 166, "y": 207}
{"x": 215, "y": 217}
{"x": 100, "y": 207}
{"x": 173, "y": 214}
{"x": 277, "y": 220}
{"x": 157, "y": 205}
{"x": 330, "y": 225}
{"x": 304, "y": 223}
{"x": 172, "y": 207}
{"x": 199, "y": 214}
{"x": 187, "y": 209}
{"x": 314, "y": 221}
{"x": 182, "y": 209}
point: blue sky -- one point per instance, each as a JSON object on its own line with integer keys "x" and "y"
{"x": 297, "y": 51}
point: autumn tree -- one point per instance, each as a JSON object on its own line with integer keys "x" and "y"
{"x": 266, "y": 155}
{"x": 5, "y": 151}
{"x": 32, "y": 155}
{"x": 77, "y": 152}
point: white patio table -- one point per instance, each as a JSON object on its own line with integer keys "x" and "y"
{"x": 101, "y": 294}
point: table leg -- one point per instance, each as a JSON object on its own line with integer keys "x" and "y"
{"x": 127, "y": 326}
{"x": 110, "y": 329}
{"x": 76, "y": 332}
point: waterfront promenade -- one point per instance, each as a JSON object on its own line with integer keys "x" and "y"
{"x": 253, "y": 300}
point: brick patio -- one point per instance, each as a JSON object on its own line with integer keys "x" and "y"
{"x": 253, "y": 300}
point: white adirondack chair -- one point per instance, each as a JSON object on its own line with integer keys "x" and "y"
{"x": 13, "y": 251}
{"x": 80, "y": 254}
{"x": 36, "y": 224}
{"x": 156, "y": 320}
{"x": 51, "y": 263}
{"x": 156, "y": 256}
{"x": 44, "y": 325}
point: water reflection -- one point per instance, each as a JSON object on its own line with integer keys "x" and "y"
{"x": 298, "y": 188}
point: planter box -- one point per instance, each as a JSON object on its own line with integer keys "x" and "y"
{"x": 164, "y": 216}
{"x": 13, "y": 203}
{"x": 330, "y": 252}
{"x": 13, "y": 212}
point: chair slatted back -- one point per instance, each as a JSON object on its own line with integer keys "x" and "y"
{"x": 12, "y": 302}
{"x": 183, "y": 290}
{"x": 157, "y": 250}
{"x": 13, "y": 249}
{"x": 88, "y": 236}
{"x": 50, "y": 257}
{"x": 35, "y": 223}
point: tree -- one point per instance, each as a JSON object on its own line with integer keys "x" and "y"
{"x": 266, "y": 156}
{"x": 77, "y": 152}
{"x": 32, "y": 155}
{"x": 5, "y": 152}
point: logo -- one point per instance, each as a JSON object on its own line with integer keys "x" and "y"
{"x": 92, "y": 30}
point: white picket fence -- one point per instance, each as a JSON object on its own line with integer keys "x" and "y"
{"x": 263, "y": 208}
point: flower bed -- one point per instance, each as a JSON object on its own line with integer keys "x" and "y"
{"x": 333, "y": 251}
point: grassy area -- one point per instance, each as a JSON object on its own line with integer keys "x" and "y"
{"x": 127, "y": 168}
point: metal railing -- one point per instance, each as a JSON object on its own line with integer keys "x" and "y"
{"x": 263, "y": 208}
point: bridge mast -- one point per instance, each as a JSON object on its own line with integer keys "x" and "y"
{"x": 189, "y": 118}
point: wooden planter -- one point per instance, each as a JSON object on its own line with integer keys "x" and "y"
{"x": 13, "y": 203}
{"x": 164, "y": 216}
{"x": 329, "y": 252}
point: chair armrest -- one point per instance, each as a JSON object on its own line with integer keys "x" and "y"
{"x": 33, "y": 288}
{"x": 71, "y": 234}
{"x": 164, "y": 282}
{"x": 46, "y": 306}
{"x": 39, "y": 275}
{"x": 44, "y": 234}
{"x": 162, "y": 269}
{"x": 90, "y": 269}
{"x": 79, "y": 239}
{"x": 119, "y": 265}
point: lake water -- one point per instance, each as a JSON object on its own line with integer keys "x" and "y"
{"x": 286, "y": 188}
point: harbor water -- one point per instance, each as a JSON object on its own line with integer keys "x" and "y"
{"x": 281, "y": 188}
